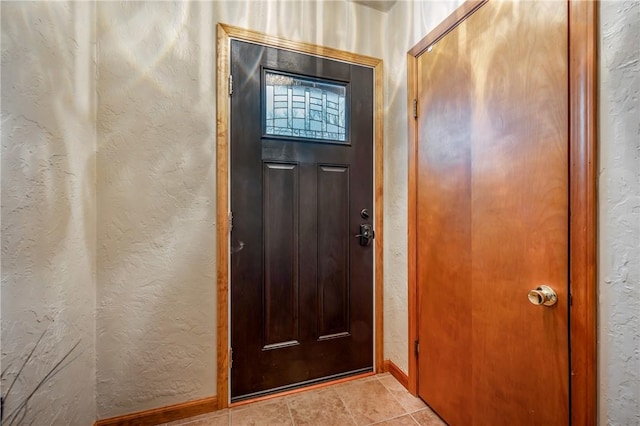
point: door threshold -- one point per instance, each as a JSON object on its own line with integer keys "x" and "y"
{"x": 303, "y": 388}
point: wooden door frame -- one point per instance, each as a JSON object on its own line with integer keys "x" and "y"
{"x": 226, "y": 33}
{"x": 583, "y": 107}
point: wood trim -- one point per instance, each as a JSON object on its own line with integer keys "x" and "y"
{"x": 222, "y": 216}
{"x": 378, "y": 214}
{"x": 225, "y": 34}
{"x": 395, "y": 371}
{"x": 412, "y": 225}
{"x": 583, "y": 107}
{"x": 164, "y": 414}
{"x": 298, "y": 46}
{"x": 450, "y": 22}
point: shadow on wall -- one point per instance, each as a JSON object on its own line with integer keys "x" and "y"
{"x": 108, "y": 192}
{"x": 48, "y": 213}
{"x": 19, "y": 411}
{"x": 156, "y": 210}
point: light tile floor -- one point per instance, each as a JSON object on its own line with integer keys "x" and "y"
{"x": 379, "y": 400}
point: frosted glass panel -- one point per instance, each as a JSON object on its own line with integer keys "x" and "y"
{"x": 304, "y": 108}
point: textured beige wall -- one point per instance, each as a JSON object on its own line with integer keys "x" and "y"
{"x": 152, "y": 262}
{"x": 48, "y": 210}
{"x": 156, "y": 208}
{"x": 619, "y": 210}
{"x": 156, "y": 311}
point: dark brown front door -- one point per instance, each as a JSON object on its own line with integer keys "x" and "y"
{"x": 301, "y": 176}
{"x": 493, "y": 217}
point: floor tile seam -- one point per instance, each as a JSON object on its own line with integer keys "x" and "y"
{"x": 346, "y": 407}
{"x": 286, "y": 402}
{"x": 426, "y": 408}
{"x": 393, "y": 418}
{"x": 401, "y": 387}
{"x": 406, "y": 411}
{"x": 414, "y": 419}
{"x": 377, "y": 378}
{"x": 385, "y": 386}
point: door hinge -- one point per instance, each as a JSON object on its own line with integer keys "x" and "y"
{"x": 415, "y": 108}
{"x": 416, "y": 346}
{"x": 230, "y": 85}
{"x": 230, "y": 357}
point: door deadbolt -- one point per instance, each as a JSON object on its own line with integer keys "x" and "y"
{"x": 543, "y": 295}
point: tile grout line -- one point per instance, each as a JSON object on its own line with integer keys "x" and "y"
{"x": 377, "y": 378}
{"x": 286, "y": 401}
{"x": 406, "y": 411}
{"x": 393, "y": 418}
{"x": 414, "y": 419}
{"x": 353, "y": 419}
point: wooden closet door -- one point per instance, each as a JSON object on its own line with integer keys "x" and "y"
{"x": 492, "y": 217}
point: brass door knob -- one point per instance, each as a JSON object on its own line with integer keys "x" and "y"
{"x": 543, "y": 295}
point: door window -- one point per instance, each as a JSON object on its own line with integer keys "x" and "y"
{"x": 302, "y": 107}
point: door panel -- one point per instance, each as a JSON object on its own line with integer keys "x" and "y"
{"x": 281, "y": 242}
{"x": 333, "y": 250}
{"x": 493, "y": 217}
{"x": 301, "y": 285}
